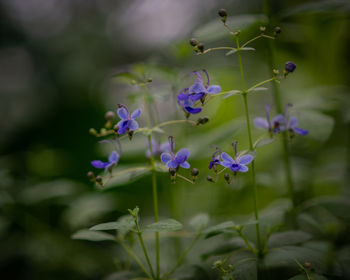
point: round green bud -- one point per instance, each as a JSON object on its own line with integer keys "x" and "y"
{"x": 92, "y": 131}
{"x": 200, "y": 47}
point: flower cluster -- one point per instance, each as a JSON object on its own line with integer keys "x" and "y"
{"x": 238, "y": 163}
{"x": 188, "y": 97}
{"x": 173, "y": 160}
{"x": 279, "y": 123}
{"x": 127, "y": 122}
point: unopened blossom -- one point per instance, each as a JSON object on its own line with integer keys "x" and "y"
{"x": 127, "y": 122}
{"x": 215, "y": 159}
{"x": 173, "y": 160}
{"x": 236, "y": 164}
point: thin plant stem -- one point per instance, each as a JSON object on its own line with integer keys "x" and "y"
{"x": 240, "y": 233}
{"x": 261, "y": 83}
{"x": 184, "y": 178}
{"x": 244, "y": 95}
{"x": 255, "y": 38}
{"x": 154, "y": 182}
{"x": 279, "y": 108}
{"x": 216, "y": 49}
{"x": 183, "y": 255}
{"x": 139, "y": 235}
{"x": 174, "y": 122}
{"x": 134, "y": 257}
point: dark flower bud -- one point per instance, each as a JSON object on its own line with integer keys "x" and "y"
{"x": 172, "y": 171}
{"x": 92, "y": 131}
{"x": 130, "y": 134}
{"x": 307, "y": 264}
{"x": 210, "y": 179}
{"x": 277, "y": 30}
{"x": 262, "y": 28}
{"x": 194, "y": 172}
{"x": 200, "y": 47}
{"x": 202, "y": 120}
{"x": 149, "y": 80}
{"x": 222, "y": 13}
{"x": 227, "y": 178}
{"x": 109, "y": 116}
{"x": 91, "y": 176}
{"x": 290, "y": 67}
{"x": 193, "y": 42}
{"x": 116, "y": 128}
{"x": 99, "y": 180}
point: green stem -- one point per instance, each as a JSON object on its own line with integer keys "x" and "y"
{"x": 154, "y": 182}
{"x": 244, "y": 95}
{"x": 174, "y": 122}
{"x": 216, "y": 49}
{"x": 139, "y": 235}
{"x": 135, "y": 258}
{"x": 279, "y": 108}
{"x": 240, "y": 233}
{"x": 183, "y": 255}
{"x": 261, "y": 83}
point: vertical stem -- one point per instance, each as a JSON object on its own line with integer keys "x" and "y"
{"x": 244, "y": 95}
{"x": 279, "y": 108}
{"x": 154, "y": 181}
{"x": 139, "y": 234}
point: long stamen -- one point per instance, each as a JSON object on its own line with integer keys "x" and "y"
{"x": 172, "y": 143}
{"x": 267, "y": 108}
{"x": 234, "y": 144}
{"x": 206, "y": 73}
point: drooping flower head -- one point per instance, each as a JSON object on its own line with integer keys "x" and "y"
{"x": 290, "y": 67}
{"x": 173, "y": 160}
{"x": 198, "y": 91}
{"x": 127, "y": 122}
{"x": 292, "y": 126}
{"x": 158, "y": 148}
{"x": 276, "y": 125}
{"x": 215, "y": 159}
{"x": 112, "y": 161}
{"x": 236, "y": 164}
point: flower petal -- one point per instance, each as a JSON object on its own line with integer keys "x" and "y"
{"x": 99, "y": 164}
{"x": 245, "y": 159}
{"x": 123, "y": 113}
{"x": 192, "y": 110}
{"x": 226, "y": 157}
{"x": 197, "y": 87}
{"x": 300, "y": 131}
{"x": 183, "y": 95}
{"x": 226, "y": 163}
{"x": 214, "y": 89}
{"x": 185, "y": 165}
{"x": 279, "y": 119}
{"x": 293, "y": 122}
{"x": 172, "y": 164}
{"x": 196, "y": 96}
{"x": 182, "y": 155}
{"x": 133, "y": 125}
{"x": 261, "y": 123}
{"x": 135, "y": 114}
{"x": 113, "y": 157}
{"x": 165, "y": 147}
{"x": 243, "y": 168}
{"x": 165, "y": 157}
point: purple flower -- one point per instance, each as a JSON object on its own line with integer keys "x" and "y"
{"x": 290, "y": 66}
{"x": 112, "y": 160}
{"x": 198, "y": 91}
{"x": 276, "y": 125}
{"x": 238, "y": 164}
{"x": 158, "y": 148}
{"x": 173, "y": 160}
{"x": 292, "y": 126}
{"x": 215, "y": 159}
{"x": 127, "y": 122}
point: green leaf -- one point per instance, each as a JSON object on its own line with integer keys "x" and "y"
{"x": 242, "y": 49}
{"x": 124, "y": 225}
{"x": 232, "y": 92}
{"x": 199, "y": 221}
{"x": 218, "y": 229}
{"x": 223, "y": 249}
{"x": 168, "y": 225}
{"x": 259, "y": 89}
{"x": 214, "y": 30}
{"x": 90, "y": 235}
{"x": 288, "y": 238}
{"x": 262, "y": 142}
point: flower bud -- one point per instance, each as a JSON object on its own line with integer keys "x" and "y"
{"x": 109, "y": 116}
{"x": 227, "y": 178}
{"x": 130, "y": 134}
{"x": 103, "y": 131}
{"x": 172, "y": 171}
{"x": 217, "y": 264}
{"x": 93, "y": 131}
{"x": 194, "y": 172}
{"x": 91, "y": 176}
{"x": 200, "y": 47}
{"x": 307, "y": 264}
{"x": 290, "y": 67}
{"x": 262, "y": 28}
{"x": 222, "y": 13}
{"x": 210, "y": 179}
{"x": 99, "y": 180}
{"x": 202, "y": 120}
{"x": 277, "y": 30}
{"x": 116, "y": 128}
{"x": 193, "y": 42}
{"x": 275, "y": 72}
{"x": 149, "y": 80}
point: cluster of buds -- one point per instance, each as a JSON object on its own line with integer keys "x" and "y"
{"x": 91, "y": 176}
{"x": 197, "y": 47}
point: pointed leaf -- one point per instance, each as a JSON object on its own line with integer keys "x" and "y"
{"x": 218, "y": 229}
{"x": 262, "y": 142}
{"x": 168, "y": 225}
{"x": 288, "y": 238}
{"x": 92, "y": 235}
{"x": 124, "y": 225}
{"x": 199, "y": 221}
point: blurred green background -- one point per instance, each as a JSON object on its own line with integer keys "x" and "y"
{"x": 57, "y": 61}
